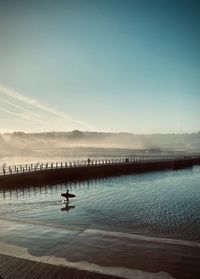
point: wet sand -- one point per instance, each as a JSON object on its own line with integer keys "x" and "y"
{"x": 12, "y": 268}
{"x": 143, "y": 260}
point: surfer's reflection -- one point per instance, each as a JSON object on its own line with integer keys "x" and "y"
{"x": 67, "y": 207}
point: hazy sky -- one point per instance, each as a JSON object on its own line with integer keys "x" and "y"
{"x": 131, "y": 66}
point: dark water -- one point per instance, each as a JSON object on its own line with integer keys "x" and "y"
{"x": 157, "y": 204}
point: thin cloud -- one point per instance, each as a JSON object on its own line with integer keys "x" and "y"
{"x": 26, "y": 116}
{"x": 35, "y": 104}
{"x": 9, "y": 112}
{"x": 18, "y": 106}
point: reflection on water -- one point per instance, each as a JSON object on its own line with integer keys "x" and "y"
{"x": 67, "y": 207}
{"x": 159, "y": 203}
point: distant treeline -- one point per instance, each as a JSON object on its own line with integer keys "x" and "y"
{"x": 22, "y": 142}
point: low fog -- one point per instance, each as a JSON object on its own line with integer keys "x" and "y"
{"x": 56, "y": 143}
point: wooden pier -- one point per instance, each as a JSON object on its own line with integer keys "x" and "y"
{"x": 57, "y": 172}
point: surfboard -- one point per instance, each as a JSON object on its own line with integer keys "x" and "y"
{"x": 68, "y": 195}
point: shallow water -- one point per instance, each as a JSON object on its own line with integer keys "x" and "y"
{"x": 156, "y": 204}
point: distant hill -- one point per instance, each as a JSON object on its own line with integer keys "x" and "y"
{"x": 20, "y": 142}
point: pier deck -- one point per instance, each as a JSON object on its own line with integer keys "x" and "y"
{"x": 57, "y": 172}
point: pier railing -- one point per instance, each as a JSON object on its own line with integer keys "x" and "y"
{"x": 42, "y": 166}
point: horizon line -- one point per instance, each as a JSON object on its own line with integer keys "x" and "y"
{"x": 101, "y": 132}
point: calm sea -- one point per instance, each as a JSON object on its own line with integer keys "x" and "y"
{"x": 107, "y": 215}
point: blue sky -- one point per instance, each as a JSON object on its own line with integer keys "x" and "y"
{"x": 116, "y": 66}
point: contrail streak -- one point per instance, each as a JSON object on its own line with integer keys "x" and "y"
{"x": 34, "y": 103}
{"x": 17, "y": 106}
{"x": 25, "y": 116}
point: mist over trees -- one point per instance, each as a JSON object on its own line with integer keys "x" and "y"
{"x": 23, "y": 143}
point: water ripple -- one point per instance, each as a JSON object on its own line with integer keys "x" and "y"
{"x": 159, "y": 203}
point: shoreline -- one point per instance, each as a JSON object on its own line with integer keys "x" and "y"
{"x": 88, "y": 256}
{"x": 14, "y": 267}
{"x": 16, "y": 262}
{"x": 146, "y": 261}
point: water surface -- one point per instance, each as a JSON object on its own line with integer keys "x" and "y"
{"x": 157, "y": 204}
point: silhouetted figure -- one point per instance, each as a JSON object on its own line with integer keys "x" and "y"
{"x": 67, "y": 195}
{"x": 88, "y": 160}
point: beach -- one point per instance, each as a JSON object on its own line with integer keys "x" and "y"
{"x": 130, "y": 226}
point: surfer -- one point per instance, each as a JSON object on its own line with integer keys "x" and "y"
{"x": 67, "y": 195}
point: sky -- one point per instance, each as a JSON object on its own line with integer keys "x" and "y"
{"x": 100, "y": 65}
